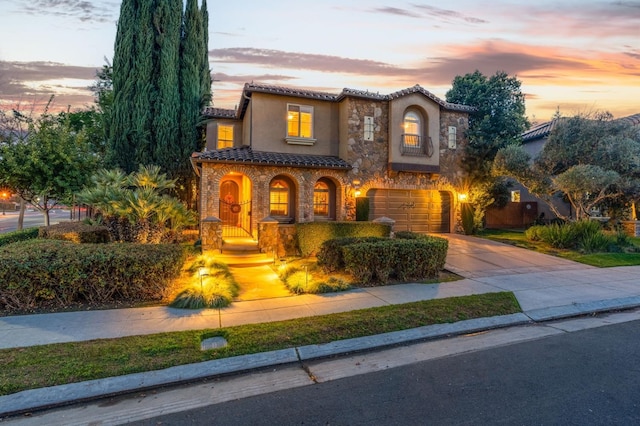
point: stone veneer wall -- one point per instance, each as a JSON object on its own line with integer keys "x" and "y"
{"x": 260, "y": 176}
{"x": 370, "y": 159}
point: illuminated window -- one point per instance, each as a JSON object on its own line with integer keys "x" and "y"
{"x": 299, "y": 121}
{"x": 225, "y": 136}
{"x": 321, "y": 199}
{"x": 412, "y": 129}
{"x": 279, "y": 198}
{"x": 515, "y": 196}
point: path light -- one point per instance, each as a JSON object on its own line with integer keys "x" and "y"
{"x": 203, "y": 273}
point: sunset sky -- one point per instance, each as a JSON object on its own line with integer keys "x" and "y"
{"x": 578, "y": 55}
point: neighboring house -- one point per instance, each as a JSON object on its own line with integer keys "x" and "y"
{"x": 533, "y": 142}
{"x": 288, "y": 155}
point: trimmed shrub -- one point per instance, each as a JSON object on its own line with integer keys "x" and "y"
{"x": 409, "y": 235}
{"x": 362, "y": 209}
{"x": 331, "y": 258}
{"x": 45, "y": 274}
{"x": 468, "y": 218}
{"x": 311, "y": 235}
{"x": 20, "y": 235}
{"x": 420, "y": 258}
{"x": 406, "y": 259}
{"x": 76, "y": 232}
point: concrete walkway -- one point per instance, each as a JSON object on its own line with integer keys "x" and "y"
{"x": 546, "y": 288}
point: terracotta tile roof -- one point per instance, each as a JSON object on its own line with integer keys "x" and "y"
{"x": 543, "y": 130}
{"x": 419, "y": 89}
{"x": 634, "y": 119}
{"x": 246, "y": 155}
{"x": 219, "y": 112}
{"x": 250, "y": 88}
{"x": 540, "y": 131}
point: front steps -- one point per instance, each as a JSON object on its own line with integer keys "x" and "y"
{"x": 242, "y": 252}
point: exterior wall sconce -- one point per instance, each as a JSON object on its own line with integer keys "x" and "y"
{"x": 356, "y": 186}
{"x": 462, "y": 197}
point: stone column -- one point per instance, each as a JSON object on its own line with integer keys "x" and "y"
{"x": 211, "y": 233}
{"x": 387, "y": 221}
{"x": 268, "y": 235}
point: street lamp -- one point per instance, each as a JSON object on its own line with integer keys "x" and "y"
{"x": 5, "y": 197}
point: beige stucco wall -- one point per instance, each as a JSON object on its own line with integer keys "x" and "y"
{"x": 430, "y": 112}
{"x": 212, "y": 132}
{"x": 270, "y": 125}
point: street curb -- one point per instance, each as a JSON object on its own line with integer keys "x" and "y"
{"x": 55, "y": 396}
{"x": 404, "y": 336}
{"x": 577, "y": 309}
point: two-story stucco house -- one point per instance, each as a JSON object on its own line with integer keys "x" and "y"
{"x": 292, "y": 155}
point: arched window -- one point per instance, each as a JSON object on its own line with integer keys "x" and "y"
{"x": 321, "y": 199}
{"x": 412, "y": 129}
{"x": 279, "y": 197}
{"x": 415, "y": 139}
{"x": 324, "y": 194}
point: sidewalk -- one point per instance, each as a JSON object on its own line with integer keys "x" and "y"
{"x": 546, "y": 288}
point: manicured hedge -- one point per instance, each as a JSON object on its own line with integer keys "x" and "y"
{"x": 330, "y": 256}
{"x": 406, "y": 259}
{"x": 311, "y": 235}
{"x": 76, "y": 232}
{"x": 47, "y": 274}
{"x": 15, "y": 236}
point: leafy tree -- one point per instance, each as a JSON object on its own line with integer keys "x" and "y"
{"x": 586, "y": 186}
{"x": 498, "y": 121}
{"x": 590, "y": 159}
{"x": 48, "y": 164}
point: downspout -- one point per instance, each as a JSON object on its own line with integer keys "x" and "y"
{"x": 251, "y": 119}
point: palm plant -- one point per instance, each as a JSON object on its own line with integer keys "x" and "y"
{"x": 134, "y": 206}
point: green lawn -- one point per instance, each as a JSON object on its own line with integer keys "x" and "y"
{"x": 602, "y": 260}
{"x": 55, "y": 364}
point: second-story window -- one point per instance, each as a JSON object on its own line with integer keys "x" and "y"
{"x": 225, "y": 136}
{"x": 412, "y": 130}
{"x": 299, "y": 121}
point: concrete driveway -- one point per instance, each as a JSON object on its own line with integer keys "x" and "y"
{"x": 474, "y": 257}
{"x": 540, "y": 282}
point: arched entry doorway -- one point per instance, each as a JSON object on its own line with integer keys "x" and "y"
{"x": 235, "y": 205}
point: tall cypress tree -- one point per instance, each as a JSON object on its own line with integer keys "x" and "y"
{"x": 161, "y": 81}
{"x": 168, "y": 24}
{"x": 146, "y": 90}
{"x": 120, "y": 148}
{"x": 191, "y": 58}
{"x": 206, "y": 71}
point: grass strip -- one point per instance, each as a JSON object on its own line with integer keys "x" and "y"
{"x": 600, "y": 260}
{"x": 61, "y": 363}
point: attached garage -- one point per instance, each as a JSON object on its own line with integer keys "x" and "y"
{"x": 413, "y": 210}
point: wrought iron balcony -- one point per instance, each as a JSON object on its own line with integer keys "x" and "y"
{"x": 415, "y": 145}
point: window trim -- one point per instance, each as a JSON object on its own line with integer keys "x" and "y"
{"x": 297, "y": 139}
{"x": 227, "y": 126}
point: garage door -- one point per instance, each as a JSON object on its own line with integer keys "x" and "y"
{"x": 413, "y": 210}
